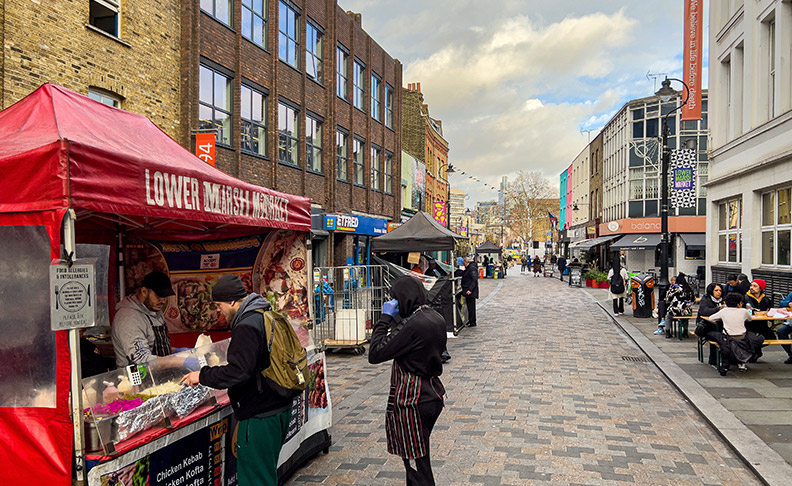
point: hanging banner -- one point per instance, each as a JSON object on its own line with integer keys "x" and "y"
{"x": 692, "y": 63}
{"x": 439, "y": 212}
{"x": 683, "y": 183}
{"x": 205, "y": 147}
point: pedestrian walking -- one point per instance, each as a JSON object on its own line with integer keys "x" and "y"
{"x": 561, "y": 266}
{"x": 617, "y": 288}
{"x": 413, "y": 335}
{"x": 537, "y": 266}
{"x": 470, "y": 289}
{"x": 524, "y": 264}
{"x": 263, "y": 415}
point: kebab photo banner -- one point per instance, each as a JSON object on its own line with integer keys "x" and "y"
{"x": 272, "y": 264}
{"x": 683, "y": 182}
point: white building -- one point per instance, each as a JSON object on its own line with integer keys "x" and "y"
{"x": 631, "y": 186}
{"x": 748, "y": 193}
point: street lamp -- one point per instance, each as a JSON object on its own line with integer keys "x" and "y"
{"x": 666, "y": 93}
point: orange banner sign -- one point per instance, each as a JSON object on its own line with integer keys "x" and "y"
{"x": 205, "y": 147}
{"x": 692, "y": 53}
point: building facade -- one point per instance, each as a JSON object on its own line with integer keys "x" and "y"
{"x": 422, "y": 137}
{"x": 97, "y": 49}
{"x": 631, "y": 160}
{"x": 750, "y": 179}
{"x": 303, "y": 101}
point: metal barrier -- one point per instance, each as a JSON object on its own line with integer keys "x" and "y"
{"x": 348, "y": 301}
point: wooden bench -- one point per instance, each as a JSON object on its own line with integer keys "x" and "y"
{"x": 702, "y": 340}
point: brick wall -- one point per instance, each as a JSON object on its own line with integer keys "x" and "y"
{"x": 48, "y": 41}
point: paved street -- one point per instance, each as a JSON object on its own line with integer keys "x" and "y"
{"x": 546, "y": 390}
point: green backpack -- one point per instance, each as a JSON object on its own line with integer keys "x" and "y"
{"x": 288, "y": 361}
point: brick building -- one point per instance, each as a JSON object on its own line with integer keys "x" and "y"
{"x": 120, "y": 53}
{"x": 422, "y": 137}
{"x": 304, "y": 101}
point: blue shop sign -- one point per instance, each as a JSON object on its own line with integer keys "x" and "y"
{"x": 360, "y": 225}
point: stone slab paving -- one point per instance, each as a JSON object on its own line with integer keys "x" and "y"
{"x": 546, "y": 390}
{"x": 760, "y": 398}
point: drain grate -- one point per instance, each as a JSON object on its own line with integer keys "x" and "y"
{"x": 637, "y": 359}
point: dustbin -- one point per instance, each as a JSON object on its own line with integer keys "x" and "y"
{"x": 642, "y": 288}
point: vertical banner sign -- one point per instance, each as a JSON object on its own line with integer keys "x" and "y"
{"x": 683, "y": 186}
{"x": 205, "y": 147}
{"x": 440, "y": 214}
{"x": 692, "y": 53}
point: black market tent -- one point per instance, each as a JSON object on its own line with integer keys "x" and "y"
{"x": 419, "y": 233}
{"x": 488, "y": 247}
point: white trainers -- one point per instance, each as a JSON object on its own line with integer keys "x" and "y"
{"x": 742, "y": 367}
{"x": 659, "y": 331}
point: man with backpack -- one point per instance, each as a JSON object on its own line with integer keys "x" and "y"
{"x": 263, "y": 413}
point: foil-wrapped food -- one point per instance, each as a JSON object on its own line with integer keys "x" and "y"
{"x": 139, "y": 419}
{"x": 183, "y": 402}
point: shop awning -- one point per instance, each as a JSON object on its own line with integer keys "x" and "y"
{"x": 694, "y": 241}
{"x": 637, "y": 242}
{"x": 591, "y": 243}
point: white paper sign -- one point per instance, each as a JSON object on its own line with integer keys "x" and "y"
{"x": 72, "y": 296}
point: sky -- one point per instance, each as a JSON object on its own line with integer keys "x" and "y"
{"x": 523, "y": 85}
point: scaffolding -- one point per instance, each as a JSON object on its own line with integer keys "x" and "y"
{"x": 348, "y": 301}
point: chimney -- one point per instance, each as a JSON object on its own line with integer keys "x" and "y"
{"x": 356, "y": 17}
{"x": 418, "y": 88}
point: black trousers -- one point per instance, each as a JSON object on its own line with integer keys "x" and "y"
{"x": 471, "y": 308}
{"x": 618, "y": 305}
{"x": 422, "y": 474}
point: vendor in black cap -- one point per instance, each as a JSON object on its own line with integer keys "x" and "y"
{"x": 139, "y": 330}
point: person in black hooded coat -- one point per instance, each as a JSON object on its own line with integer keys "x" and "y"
{"x": 414, "y": 336}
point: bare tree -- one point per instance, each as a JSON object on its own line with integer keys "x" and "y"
{"x": 528, "y": 200}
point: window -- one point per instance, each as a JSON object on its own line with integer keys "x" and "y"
{"x": 342, "y": 157}
{"x": 314, "y": 52}
{"x": 214, "y": 104}
{"x": 342, "y": 72}
{"x": 313, "y": 144}
{"x": 253, "y": 129}
{"x": 219, "y": 9}
{"x": 388, "y": 105}
{"x": 376, "y": 160}
{"x": 730, "y": 231}
{"x": 776, "y": 227}
{"x": 357, "y": 81}
{"x": 388, "y": 173}
{"x": 105, "y": 97}
{"x": 357, "y": 154}
{"x": 104, "y": 15}
{"x": 288, "y": 151}
{"x": 254, "y": 21}
{"x": 288, "y": 39}
{"x": 375, "y": 97}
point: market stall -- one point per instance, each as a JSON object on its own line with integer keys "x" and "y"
{"x": 493, "y": 253}
{"x": 422, "y": 233}
{"x": 80, "y": 175}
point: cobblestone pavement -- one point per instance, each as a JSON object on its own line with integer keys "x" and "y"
{"x": 546, "y": 390}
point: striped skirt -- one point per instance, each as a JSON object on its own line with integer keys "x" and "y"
{"x": 403, "y": 428}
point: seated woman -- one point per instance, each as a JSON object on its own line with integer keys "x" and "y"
{"x": 756, "y": 299}
{"x": 711, "y": 303}
{"x": 786, "y": 328}
{"x": 737, "y": 344}
{"x": 679, "y": 302}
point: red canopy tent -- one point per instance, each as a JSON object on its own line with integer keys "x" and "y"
{"x": 62, "y": 151}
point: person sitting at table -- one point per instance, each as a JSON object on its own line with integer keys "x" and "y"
{"x": 756, "y": 300}
{"x": 679, "y": 302}
{"x": 737, "y": 344}
{"x": 731, "y": 284}
{"x": 786, "y": 328}
{"x": 711, "y": 303}
{"x": 743, "y": 285}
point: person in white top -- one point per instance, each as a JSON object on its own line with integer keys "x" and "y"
{"x": 738, "y": 345}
